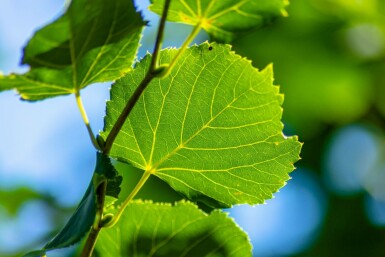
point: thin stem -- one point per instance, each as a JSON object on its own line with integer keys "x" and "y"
{"x": 159, "y": 38}
{"x": 126, "y": 111}
{"x": 150, "y": 75}
{"x": 183, "y": 48}
{"x": 101, "y": 190}
{"x": 95, "y": 229}
{"x": 133, "y": 193}
{"x": 90, "y": 243}
{"x": 100, "y": 199}
{"x": 85, "y": 119}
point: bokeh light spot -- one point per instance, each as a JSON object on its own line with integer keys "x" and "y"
{"x": 351, "y": 155}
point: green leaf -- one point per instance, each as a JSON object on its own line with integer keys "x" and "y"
{"x": 79, "y": 223}
{"x": 83, "y": 218}
{"x": 76, "y": 227}
{"x": 35, "y": 254}
{"x": 221, "y": 19}
{"x": 105, "y": 170}
{"x": 147, "y": 229}
{"x": 211, "y": 128}
{"x": 92, "y": 42}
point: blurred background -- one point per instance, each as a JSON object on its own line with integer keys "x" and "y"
{"x": 329, "y": 59}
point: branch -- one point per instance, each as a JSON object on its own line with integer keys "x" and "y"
{"x": 151, "y": 74}
{"x": 101, "y": 189}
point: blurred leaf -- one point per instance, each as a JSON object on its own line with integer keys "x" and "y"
{"x": 211, "y": 129}
{"x": 352, "y": 10}
{"x": 221, "y": 19}
{"x": 92, "y": 42}
{"x": 321, "y": 82}
{"x": 147, "y": 229}
{"x": 13, "y": 199}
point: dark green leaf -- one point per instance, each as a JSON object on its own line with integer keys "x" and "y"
{"x": 92, "y": 42}
{"x": 35, "y": 254}
{"x": 210, "y": 129}
{"x": 79, "y": 223}
{"x": 162, "y": 230}
{"x": 221, "y": 19}
{"x": 106, "y": 170}
{"x": 83, "y": 218}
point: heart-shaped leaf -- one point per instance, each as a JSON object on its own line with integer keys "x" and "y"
{"x": 211, "y": 128}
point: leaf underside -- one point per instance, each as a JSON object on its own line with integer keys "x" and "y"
{"x": 162, "y": 230}
{"x": 222, "y": 19}
{"x": 210, "y": 129}
{"x": 92, "y": 42}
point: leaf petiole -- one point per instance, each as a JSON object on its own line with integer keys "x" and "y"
{"x": 159, "y": 38}
{"x": 133, "y": 193}
{"x": 166, "y": 71}
{"x": 151, "y": 73}
{"x": 85, "y": 119}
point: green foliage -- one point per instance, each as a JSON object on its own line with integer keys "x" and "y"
{"x": 212, "y": 127}
{"x": 92, "y": 42}
{"x": 19, "y": 196}
{"x": 148, "y": 229}
{"x": 106, "y": 171}
{"x": 332, "y": 88}
{"x": 79, "y": 223}
{"x": 209, "y": 124}
{"x": 222, "y": 19}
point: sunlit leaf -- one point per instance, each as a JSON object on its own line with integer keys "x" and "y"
{"x": 92, "y": 42}
{"x": 221, "y": 19}
{"x": 211, "y": 128}
{"x": 162, "y": 230}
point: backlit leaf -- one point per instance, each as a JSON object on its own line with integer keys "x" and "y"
{"x": 211, "y": 128}
{"x": 221, "y": 19}
{"x": 92, "y": 42}
{"x": 162, "y": 230}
